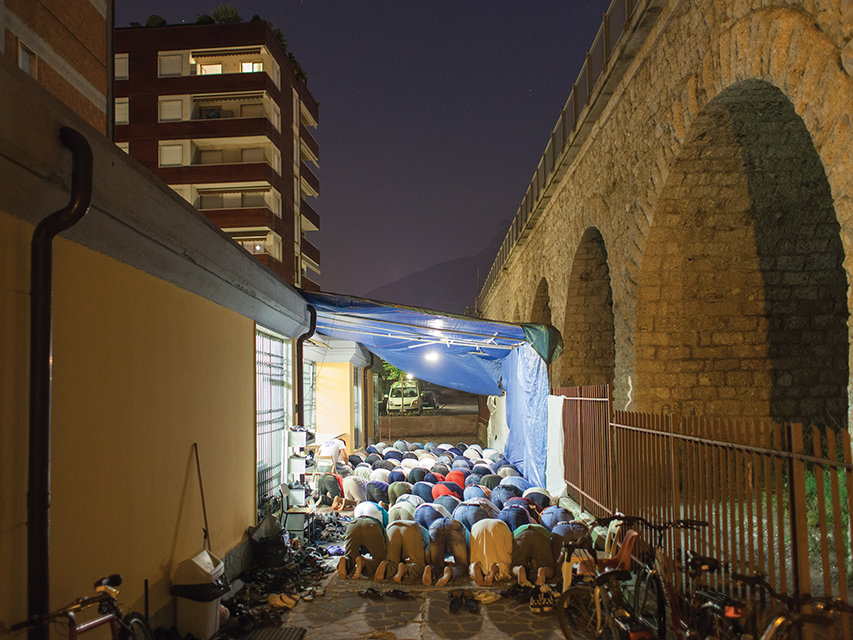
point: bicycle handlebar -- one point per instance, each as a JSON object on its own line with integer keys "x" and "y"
{"x": 828, "y": 603}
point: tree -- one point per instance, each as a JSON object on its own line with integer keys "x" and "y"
{"x": 155, "y": 21}
{"x": 204, "y": 19}
{"x": 225, "y": 14}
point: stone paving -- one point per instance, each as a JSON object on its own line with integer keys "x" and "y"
{"x": 342, "y": 613}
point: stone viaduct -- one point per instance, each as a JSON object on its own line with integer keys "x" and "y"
{"x": 690, "y": 231}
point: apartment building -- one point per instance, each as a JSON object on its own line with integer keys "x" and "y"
{"x": 64, "y": 46}
{"x": 218, "y": 113}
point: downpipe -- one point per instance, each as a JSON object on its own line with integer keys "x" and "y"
{"x": 41, "y": 265}
{"x": 300, "y": 387}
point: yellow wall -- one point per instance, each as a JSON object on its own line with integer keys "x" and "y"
{"x": 334, "y": 401}
{"x": 141, "y": 370}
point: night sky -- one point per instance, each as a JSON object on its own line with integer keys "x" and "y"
{"x": 433, "y": 117}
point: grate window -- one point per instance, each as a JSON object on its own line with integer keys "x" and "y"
{"x": 274, "y": 406}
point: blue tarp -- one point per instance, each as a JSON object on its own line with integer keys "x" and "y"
{"x": 483, "y": 357}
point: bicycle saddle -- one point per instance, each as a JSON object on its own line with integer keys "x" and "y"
{"x": 112, "y": 580}
{"x": 700, "y": 564}
{"x": 622, "y": 575}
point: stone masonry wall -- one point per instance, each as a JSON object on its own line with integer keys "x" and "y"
{"x": 719, "y": 178}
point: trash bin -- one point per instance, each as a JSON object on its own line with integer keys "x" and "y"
{"x": 198, "y": 585}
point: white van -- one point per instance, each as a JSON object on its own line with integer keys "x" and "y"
{"x": 410, "y": 402}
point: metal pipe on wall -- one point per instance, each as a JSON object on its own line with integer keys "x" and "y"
{"x": 41, "y": 265}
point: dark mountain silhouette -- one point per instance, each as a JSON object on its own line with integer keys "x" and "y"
{"x": 448, "y": 286}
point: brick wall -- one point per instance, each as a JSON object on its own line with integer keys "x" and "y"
{"x": 718, "y": 177}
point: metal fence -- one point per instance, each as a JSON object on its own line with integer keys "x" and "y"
{"x": 777, "y": 497}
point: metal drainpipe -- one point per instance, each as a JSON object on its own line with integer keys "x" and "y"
{"x": 300, "y": 391}
{"x": 38, "y": 496}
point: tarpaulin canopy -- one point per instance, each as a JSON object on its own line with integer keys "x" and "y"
{"x": 454, "y": 351}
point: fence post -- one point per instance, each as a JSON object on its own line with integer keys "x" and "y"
{"x": 797, "y": 499}
{"x": 611, "y": 446}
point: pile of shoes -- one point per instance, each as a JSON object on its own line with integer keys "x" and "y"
{"x": 460, "y": 598}
{"x": 542, "y": 599}
{"x": 518, "y": 593}
{"x": 375, "y": 594}
{"x": 329, "y": 526}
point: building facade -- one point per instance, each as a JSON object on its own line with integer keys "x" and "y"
{"x": 221, "y": 115}
{"x": 64, "y": 46}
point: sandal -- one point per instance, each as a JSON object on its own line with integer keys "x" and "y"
{"x": 371, "y": 593}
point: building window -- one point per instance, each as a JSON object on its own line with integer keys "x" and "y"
{"x": 253, "y": 200}
{"x": 356, "y": 407}
{"x": 309, "y": 401}
{"x": 171, "y": 110}
{"x": 27, "y": 59}
{"x": 122, "y": 111}
{"x": 120, "y": 70}
{"x": 252, "y": 155}
{"x": 170, "y": 64}
{"x": 252, "y": 111}
{"x": 251, "y": 67}
{"x": 171, "y": 155}
{"x": 274, "y": 408}
{"x": 211, "y": 69}
{"x": 124, "y": 146}
{"x": 210, "y": 201}
{"x": 276, "y": 117}
{"x": 210, "y": 156}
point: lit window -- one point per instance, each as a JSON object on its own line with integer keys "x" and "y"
{"x": 251, "y": 67}
{"x": 169, "y": 64}
{"x": 122, "y": 111}
{"x": 120, "y": 70}
{"x": 171, "y": 155}
{"x": 211, "y": 69}
{"x": 27, "y": 60}
{"x": 171, "y": 110}
{"x": 124, "y": 146}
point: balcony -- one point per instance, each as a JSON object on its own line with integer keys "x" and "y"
{"x": 309, "y": 141}
{"x": 310, "y": 218}
{"x": 310, "y": 182}
{"x": 309, "y": 285}
{"x": 310, "y": 251}
{"x": 310, "y": 112}
{"x": 219, "y": 173}
{"x": 242, "y": 217}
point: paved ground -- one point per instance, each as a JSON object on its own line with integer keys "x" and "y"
{"x": 342, "y": 613}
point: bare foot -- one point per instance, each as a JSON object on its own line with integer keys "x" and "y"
{"x": 401, "y": 570}
{"x": 477, "y": 574}
{"x": 336, "y": 503}
{"x": 541, "y": 578}
{"x": 489, "y": 579}
{"x": 444, "y": 579}
{"x": 522, "y": 576}
{"x": 359, "y": 567}
{"x": 342, "y": 568}
{"x": 380, "y": 571}
{"x": 427, "y": 577}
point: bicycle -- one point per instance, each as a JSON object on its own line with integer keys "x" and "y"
{"x": 789, "y": 624}
{"x": 597, "y": 605}
{"x": 132, "y": 626}
{"x": 701, "y": 612}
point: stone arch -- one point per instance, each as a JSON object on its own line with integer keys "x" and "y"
{"x": 541, "y": 310}
{"x": 589, "y": 344}
{"x": 742, "y": 307}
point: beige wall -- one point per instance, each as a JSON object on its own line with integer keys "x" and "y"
{"x": 334, "y": 401}
{"x": 141, "y": 370}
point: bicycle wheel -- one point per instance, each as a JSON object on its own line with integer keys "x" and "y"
{"x": 134, "y": 627}
{"x": 576, "y": 611}
{"x": 649, "y": 603}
